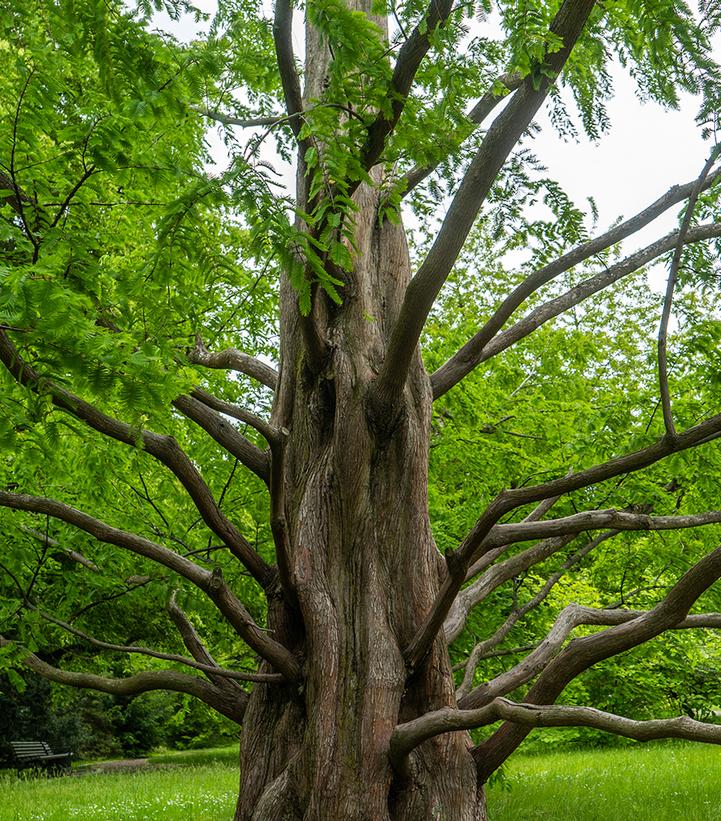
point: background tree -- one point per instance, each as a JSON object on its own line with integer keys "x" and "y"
{"x": 146, "y": 291}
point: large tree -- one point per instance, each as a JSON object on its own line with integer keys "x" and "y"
{"x": 169, "y": 323}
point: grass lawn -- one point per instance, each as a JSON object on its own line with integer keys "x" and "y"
{"x": 658, "y": 782}
{"x": 672, "y": 782}
{"x": 202, "y": 787}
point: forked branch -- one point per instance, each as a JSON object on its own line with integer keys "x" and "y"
{"x": 584, "y": 652}
{"x": 408, "y": 736}
{"x": 498, "y": 143}
{"x": 163, "y": 448}
{"x": 211, "y": 584}
{"x": 475, "y": 542}
{"x": 478, "y": 349}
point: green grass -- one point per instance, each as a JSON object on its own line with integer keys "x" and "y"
{"x": 671, "y": 782}
{"x": 202, "y": 787}
{"x": 213, "y": 755}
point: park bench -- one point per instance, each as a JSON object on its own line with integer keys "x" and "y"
{"x": 38, "y": 755}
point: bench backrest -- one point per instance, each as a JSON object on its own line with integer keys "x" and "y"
{"x": 26, "y": 750}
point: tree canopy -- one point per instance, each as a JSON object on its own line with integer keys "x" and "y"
{"x": 183, "y": 333}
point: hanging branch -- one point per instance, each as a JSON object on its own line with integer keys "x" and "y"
{"x": 668, "y": 298}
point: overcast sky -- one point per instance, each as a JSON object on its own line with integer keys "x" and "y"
{"x": 647, "y": 150}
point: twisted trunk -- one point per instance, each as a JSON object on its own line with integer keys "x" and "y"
{"x": 364, "y": 570}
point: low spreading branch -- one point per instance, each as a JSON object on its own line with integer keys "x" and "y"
{"x": 406, "y": 737}
{"x": 474, "y": 543}
{"x": 214, "y": 669}
{"x": 482, "y": 648}
{"x": 211, "y": 584}
{"x": 141, "y": 683}
{"x": 582, "y": 653}
{"x": 163, "y": 448}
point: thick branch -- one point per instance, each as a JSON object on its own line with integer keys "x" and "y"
{"x": 141, "y": 683}
{"x": 487, "y": 343}
{"x": 506, "y": 501}
{"x": 234, "y": 360}
{"x": 210, "y": 583}
{"x": 225, "y": 435}
{"x": 584, "y": 652}
{"x": 502, "y": 136}
{"x": 409, "y": 735}
{"x": 164, "y": 448}
{"x": 409, "y": 59}
{"x": 283, "y": 38}
{"x": 476, "y": 116}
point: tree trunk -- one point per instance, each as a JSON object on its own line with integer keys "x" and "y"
{"x": 362, "y": 563}
{"x": 365, "y": 570}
